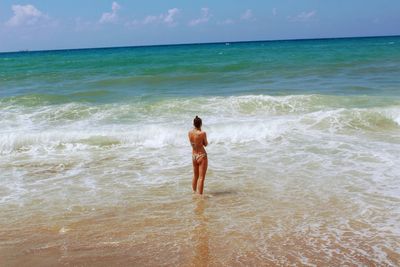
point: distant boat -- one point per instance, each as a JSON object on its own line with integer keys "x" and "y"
{"x": 227, "y": 44}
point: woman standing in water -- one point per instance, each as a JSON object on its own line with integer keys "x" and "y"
{"x": 198, "y": 140}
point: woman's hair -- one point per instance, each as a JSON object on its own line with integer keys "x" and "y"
{"x": 197, "y": 122}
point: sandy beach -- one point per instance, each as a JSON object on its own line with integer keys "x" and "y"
{"x": 304, "y": 145}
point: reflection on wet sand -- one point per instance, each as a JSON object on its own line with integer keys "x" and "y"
{"x": 201, "y": 235}
{"x": 222, "y": 193}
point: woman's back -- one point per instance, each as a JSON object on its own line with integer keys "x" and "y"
{"x": 197, "y": 140}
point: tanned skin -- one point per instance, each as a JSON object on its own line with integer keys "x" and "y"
{"x": 198, "y": 140}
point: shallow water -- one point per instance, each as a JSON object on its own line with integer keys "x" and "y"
{"x": 96, "y": 169}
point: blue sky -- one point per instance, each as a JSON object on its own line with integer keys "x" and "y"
{"x": 49, "y": 24}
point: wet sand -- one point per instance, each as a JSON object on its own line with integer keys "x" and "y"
{"x": 223, "y": 228}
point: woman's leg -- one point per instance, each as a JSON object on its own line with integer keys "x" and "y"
{"x": 202, "y": 174}
{"x": 195, "y": 175}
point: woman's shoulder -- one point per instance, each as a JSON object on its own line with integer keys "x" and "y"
{"x": 196, "y": 133}
{"x": 202, "y": 135}
{"x": 192, "y": 133}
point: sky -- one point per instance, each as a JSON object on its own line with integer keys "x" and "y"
{"x": 49, "y": 24}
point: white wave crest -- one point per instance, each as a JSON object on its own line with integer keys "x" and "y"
{"x": 229, "y": 120}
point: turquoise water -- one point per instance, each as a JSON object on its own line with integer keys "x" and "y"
{"x": 304, "y": 151}
{"x": 359, "y": 66}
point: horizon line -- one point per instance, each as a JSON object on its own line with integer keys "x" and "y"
{"x": 200, "y": 43}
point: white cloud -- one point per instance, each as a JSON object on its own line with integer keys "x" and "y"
{"x": 25, "y": 15}
{"x": 304, "y": 16}
{"x": 205, "y": 17}
{"x": 274, "y": 11}
{"x": 110, "y": 17}
{"x": 150, "y": 19}
{"x": 247, "y": 15}
{"x": 168, "y": 18}
{"x": 226, "y": 22}
{"x": 132, "y": 23}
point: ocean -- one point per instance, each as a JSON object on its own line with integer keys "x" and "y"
{"x": 304, "y": 155}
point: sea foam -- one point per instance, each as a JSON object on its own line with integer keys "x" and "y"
{"x": 230, "y": 120}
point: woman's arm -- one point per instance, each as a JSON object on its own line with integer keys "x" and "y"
{"x": 205, "y": 142}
